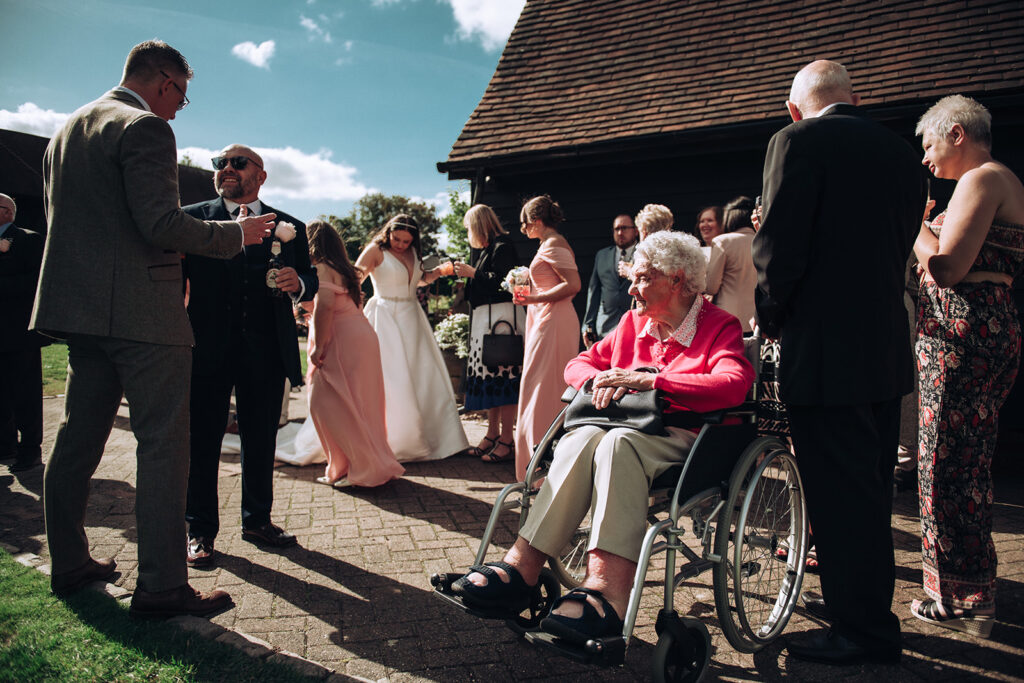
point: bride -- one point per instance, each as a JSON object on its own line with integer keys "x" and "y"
{"x": 422, "y": 419}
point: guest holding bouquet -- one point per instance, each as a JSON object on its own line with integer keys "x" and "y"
{"x": 346, "y": 383}
{"x": 552, "y": 326}
{"x": 491, "y": 388}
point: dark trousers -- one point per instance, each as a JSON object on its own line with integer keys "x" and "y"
{"x": 846, "y": 456}
{"x": 21, "y": 405}
{"x": 154, "y": 378}
{"x": 255, "y": 371}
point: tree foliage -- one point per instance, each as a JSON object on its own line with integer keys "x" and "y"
{"x": 458, "y": 239}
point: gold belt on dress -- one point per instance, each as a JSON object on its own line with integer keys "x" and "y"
{"x": 397, "y": 298}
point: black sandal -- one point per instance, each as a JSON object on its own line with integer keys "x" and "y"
{"x": 590, "y": 626}
{"x": 478, "y": 452}
{"x": 979, "y": 625}
{"x": 515, "y": 596}
{"x": 491, "y": 457}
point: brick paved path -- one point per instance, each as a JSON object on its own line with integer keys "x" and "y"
{"x": 354, "y": 595}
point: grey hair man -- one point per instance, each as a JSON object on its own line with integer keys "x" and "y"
{"x": 111, "y": 285}
{"x": 842, "y": 201}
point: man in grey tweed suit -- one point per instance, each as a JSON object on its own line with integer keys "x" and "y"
{"x": 111, "y": 285}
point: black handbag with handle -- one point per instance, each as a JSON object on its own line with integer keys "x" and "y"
{"x": 639, "y": 410}
{"x": 500, "y": 349}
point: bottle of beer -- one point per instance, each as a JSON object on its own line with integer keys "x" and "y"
{"x": 274, "y": 265}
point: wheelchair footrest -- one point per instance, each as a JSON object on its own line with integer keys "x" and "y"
{"x": 609, "y": 651}
{"x": 443, "y": 591}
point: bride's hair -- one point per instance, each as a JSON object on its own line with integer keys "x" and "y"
{"x": 401, "y": 221}
{"x": 325, "y": 246}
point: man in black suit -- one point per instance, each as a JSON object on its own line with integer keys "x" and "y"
{"x": 245, "y": 340}
{"x": 608, "y": 294}
{"x": 843, "y": 200}
{"x": 21, "y": 381}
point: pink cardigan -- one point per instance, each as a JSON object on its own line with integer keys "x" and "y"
{"x": 711, "y": 374}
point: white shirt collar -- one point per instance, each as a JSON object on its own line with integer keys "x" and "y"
{"x": 144, "y": 103}
{"x": 255, "y": 208}
{"x": 828, "y": 109}
{"x": 687, "y": 329}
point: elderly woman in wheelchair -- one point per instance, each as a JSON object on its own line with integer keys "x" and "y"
{"x": 696, "y": 350}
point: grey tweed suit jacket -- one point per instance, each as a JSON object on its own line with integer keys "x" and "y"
{"x": 111, "y": 265}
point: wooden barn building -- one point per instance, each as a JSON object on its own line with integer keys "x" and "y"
{"x": 608, "y": 105}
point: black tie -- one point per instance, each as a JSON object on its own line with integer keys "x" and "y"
{"x": 622, "y": 254}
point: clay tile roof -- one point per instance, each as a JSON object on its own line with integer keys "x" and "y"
{"x": 580, "y": 72}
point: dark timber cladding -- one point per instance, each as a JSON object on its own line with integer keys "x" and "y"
{"x": 610, "y": 105}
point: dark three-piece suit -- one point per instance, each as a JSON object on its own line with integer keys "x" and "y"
{"x": 843, "y": 200}
{"x": 246, "y": 341}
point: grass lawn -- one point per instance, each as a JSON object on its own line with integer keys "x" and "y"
{"x": 55, "y": 368}
{"x": 90, "y": 637}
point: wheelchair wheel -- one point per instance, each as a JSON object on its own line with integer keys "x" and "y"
{"x": 682, "y": 662}
{"x": 756, "y": 586}
{"x": 570, "y": 567}
{"x": 544, "y": 597}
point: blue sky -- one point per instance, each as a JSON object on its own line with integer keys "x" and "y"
{"x": 341, "y": 97}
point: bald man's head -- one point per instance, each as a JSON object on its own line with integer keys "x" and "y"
{"x": 818, "y": 85}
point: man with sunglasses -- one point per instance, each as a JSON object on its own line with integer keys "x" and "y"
{"x": 111, "y": 286}
{"x": 245, "y": 340}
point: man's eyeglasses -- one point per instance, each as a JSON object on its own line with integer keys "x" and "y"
{"x": 184, "y": 97}
{"x": 237, "y": 163}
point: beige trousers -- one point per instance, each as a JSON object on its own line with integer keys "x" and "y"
{"x": 588, "y": 461}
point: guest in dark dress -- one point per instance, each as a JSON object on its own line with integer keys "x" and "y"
{"x": 494, "y": 389}
{"x": 968, "y": 353}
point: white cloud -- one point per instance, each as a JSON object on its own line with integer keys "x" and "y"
{"x": 257, "y": 55}
{"x": 314, "y": 29}
{"x": 31, "y": 119}
{"x": 294, "y": 174}
{"x": 488, "y": 21}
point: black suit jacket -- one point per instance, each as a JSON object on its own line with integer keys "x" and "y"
{"x": 209, "y": 288}
{"x": 843, "y": 199}
{"x": 492, "y": 264}
{"x": 19, "y": 273}
{"x": 608, "y": 295}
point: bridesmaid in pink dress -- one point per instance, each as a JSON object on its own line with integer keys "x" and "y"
{"x": 552, "y": 335}
{"x": 346, "y": 384}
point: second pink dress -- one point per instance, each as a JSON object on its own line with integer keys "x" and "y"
{"x": 552, "y": 339}
{"x": 346, "y": 398}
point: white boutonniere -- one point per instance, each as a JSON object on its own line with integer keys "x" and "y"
{"x": 284, "y": 231}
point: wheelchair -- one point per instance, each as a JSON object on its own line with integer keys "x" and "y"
{"x": 741, "y": 496}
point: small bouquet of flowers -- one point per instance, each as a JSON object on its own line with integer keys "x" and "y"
{"x": 517, "y": 281}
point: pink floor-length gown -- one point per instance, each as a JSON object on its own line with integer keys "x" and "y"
{"x": 552, "y": 339}
{"x": 346, "y": 398}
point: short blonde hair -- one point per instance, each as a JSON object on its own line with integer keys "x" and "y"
{"x": 482, "y": 224}
{"x": 972, "y": 116}
{"x": 670, "y": 253}
{"x": 654, "y": 218}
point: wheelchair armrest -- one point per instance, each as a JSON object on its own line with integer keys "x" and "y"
{"x": 569, "y": 394}
{"x": 689, "y": 420}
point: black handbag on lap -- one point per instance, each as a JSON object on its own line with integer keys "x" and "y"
{"x": 501, "y": 349}
{"x": 639, "y": 410}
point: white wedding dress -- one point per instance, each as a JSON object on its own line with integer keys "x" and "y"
{"x": 420, "y": 411}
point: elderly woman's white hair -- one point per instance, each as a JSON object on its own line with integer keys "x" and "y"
{"x": 654, "y": 218}
{"x": 673, "y": 252}
{"x": 972, "y": 116}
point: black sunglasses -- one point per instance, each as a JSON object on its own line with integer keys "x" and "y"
{"x": 184, "y": 97}
{"x": 237, "y": 163}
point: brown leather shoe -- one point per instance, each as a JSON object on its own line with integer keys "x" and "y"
{"x": 269, "y": 534}
{"x": 182, "y": 600}
{"x": 200, "y": 552}
{"x": 92, "y": 570}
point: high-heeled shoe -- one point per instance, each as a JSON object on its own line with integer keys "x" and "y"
{"x": 510, "y": 453}
{"x": 336, "y": 483}
{"x": 478, "y": 452}
{"x": 968, "y": 621}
